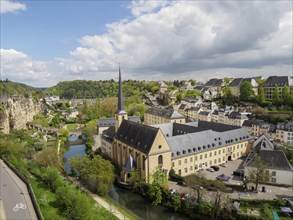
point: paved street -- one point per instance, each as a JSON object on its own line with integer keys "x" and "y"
{"x": 13, "y": 191}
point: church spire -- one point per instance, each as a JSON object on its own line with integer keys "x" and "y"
{"x": 120, "y": 95}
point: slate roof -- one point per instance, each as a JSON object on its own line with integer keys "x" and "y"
{"x": 201, "y": 141}
{"x": 273, "y": 159}
{"x": 182, "y": 106}
{"x": 194, "y": 109}
{"x": 204, "y": 113}
{"x": 216, "y": 126}
{"x": 179, "y": 129}
{"x": 166, "y": 113}
{"x": 236, "y": 82}
{"x": 107, "y": 122}
{"x": 236, "y": 115}
{"x": 199, "y": 87}
{"x": 138, "y": 136}
{"x": 211, "y": 82}
{"x": 109, "y": 134}
{"x": 193, "y": 137}
{"x": 288, "y": 126}
{"x": 218, "y": 83}
{"x": 280, "y": 81}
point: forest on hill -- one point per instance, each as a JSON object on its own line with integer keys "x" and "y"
{"x": 19, "y": 88}
{"x": 100, "y": 89}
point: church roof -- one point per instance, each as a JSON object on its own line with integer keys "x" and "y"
{"x": 138, "y": 136}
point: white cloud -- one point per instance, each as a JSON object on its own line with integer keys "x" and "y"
{"x": 185, "y": 36}
{"x": 7, "y": 6}
{"x": 139, "y": 7}
{"x": 17, "y": 66}
{"x": 176, "y": 40}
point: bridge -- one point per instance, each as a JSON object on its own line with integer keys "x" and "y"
{"x": 47, "y": 130}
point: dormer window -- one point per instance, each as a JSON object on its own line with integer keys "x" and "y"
{"x": 194, "y": 149}
{"x": 204, "y": 147}
{"x": 172, "y": 155}
{"x": 213, "y": 145}
{"x": 178, "y": 153}
{"x": 199, "y": 148}
{"x": 209, "y": 145}
{"x": 189, "y": 150}
{"x": 183, "y": 151}
{"x": 220, "y": 143}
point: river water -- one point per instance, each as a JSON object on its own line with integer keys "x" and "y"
{"x": 136, "y": 203}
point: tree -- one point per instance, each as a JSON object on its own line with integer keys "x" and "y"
{"x": 286, "y": 95}
{"x": 55, "y": 122}
{"x": 160, "y": 177}
{"x": 155, "y": 193}
{"x": 276, "y": 95}
{"x": 261, "y": 95}
{"x": 134, "y": 176}
{"x": 97, "y": 173}
{"x": 192, "y": 93}
{"x": 246, "y": 91}
{"x": 48, "y": 157}
{"x": 258, "y": 173}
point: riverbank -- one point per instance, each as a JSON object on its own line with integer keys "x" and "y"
{"x": 119, "y": 212}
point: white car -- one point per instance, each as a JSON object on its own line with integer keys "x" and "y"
{"x": 172, "y": 191}
{"x": 211, "y": 169}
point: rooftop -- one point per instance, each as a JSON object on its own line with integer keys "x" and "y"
{"x": 166, "y": 113}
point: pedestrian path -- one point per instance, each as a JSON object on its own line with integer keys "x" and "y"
{"x": 111, "y": 208}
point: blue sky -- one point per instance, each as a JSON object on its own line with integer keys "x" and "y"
{"x": 49, "y": 29}
{"x": 45, "y": 42}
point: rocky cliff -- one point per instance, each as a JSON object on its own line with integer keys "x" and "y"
{"x": 16, "y": 111}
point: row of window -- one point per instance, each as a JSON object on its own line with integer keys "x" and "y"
{"x": 185, "y": 161}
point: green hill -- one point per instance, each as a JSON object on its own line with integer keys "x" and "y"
{"x": 17, "y": 88}
{"x": 101, "y": 89}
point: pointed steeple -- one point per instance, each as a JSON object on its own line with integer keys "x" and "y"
{"x": 120, "y": 95}
{"x": 121, "y": 114}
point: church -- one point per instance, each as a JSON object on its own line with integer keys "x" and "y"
{"x": 184, "y": 147}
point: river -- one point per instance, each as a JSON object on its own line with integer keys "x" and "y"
{"x": 136, "y": 203}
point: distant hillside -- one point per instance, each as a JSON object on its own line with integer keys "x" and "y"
{"x": 101, "y": 89}
{"x": 17, "y": 88}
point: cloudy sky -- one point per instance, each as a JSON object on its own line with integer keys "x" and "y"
{"x": 44, "y": 42}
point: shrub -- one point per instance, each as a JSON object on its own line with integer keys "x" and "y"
{"x": 174, "y": 176}
{"x": 267, "y": 211}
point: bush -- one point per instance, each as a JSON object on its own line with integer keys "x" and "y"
{"x": 175, "y": 177}
{"x": 267, "y": 211}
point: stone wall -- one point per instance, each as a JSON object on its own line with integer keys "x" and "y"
{"x": 16, "y": 112}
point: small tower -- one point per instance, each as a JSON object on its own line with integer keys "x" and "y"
{"x": 120, "y": 114}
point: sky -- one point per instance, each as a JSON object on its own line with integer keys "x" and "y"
{"x": 45, "y": 42}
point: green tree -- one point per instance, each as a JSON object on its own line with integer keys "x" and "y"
{"x": 258, "y": 173}
{"x": 246, "y": 91}
{"x": 155, "y": 193}
{"x": 55, "y": 122}
{"x": 276, "y": 99}
{"x": 74, "y": 204}
{"x": 261, "y": 95}
{"x": 286, "y": 95}
{"x": 160, "y": 177}
{"x": 192, "y": 93}
{"x": 47, "y": 158}
{"x": 97, "y": 173}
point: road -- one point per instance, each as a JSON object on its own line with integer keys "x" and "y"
{"x": 13, "y": 191}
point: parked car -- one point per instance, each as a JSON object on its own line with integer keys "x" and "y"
{"x": 197, "y": 187}
{"x": 181, "y": 183}
{"x": 216, "y": 168}
{"x": 186, "y": 196}
{"x": 212, "y": 188}
{"x": 172, "y": 191}
{"x": 211, "y": 169}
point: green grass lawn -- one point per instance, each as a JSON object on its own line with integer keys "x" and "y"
{"x": 71, "y": 127}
